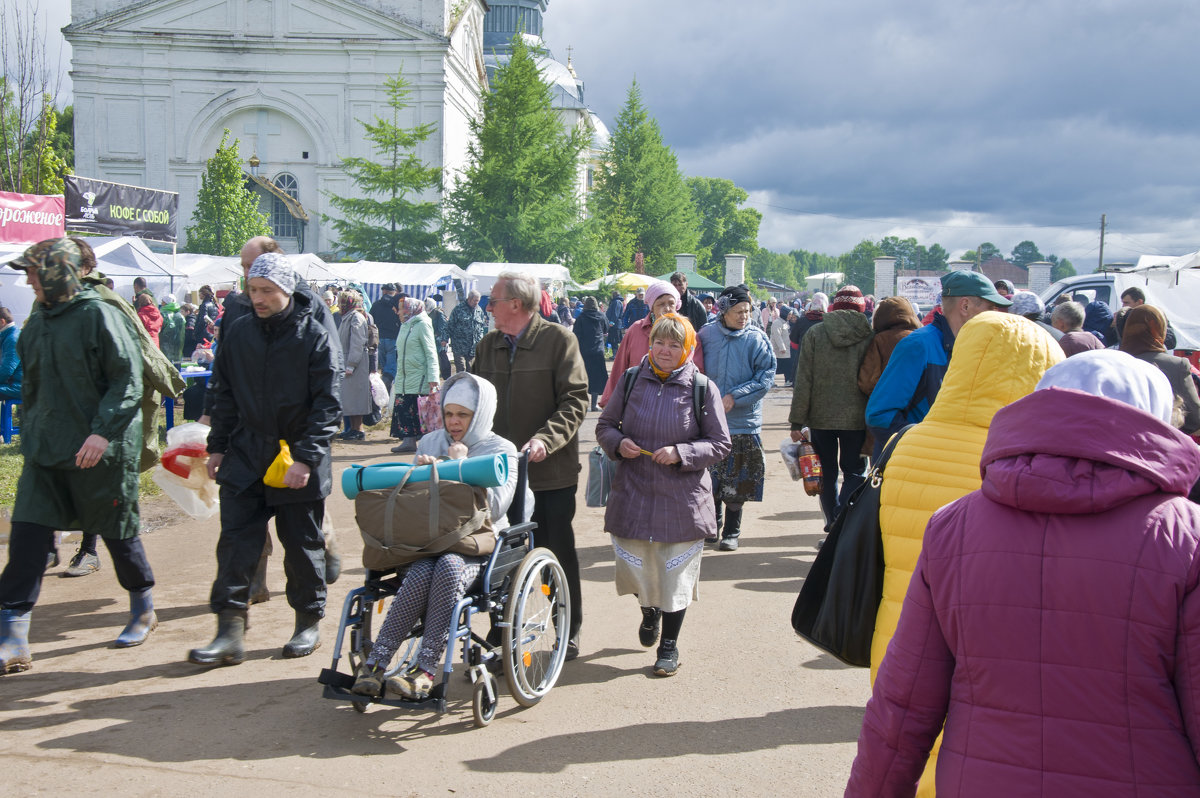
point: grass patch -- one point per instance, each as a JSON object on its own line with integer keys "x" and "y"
{"x": 11, "y": 463}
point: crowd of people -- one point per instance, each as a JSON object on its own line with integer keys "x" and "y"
{"x": 1036, "y": 501}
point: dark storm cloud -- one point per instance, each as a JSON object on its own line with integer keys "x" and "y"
{"x": 1014, "y": 113}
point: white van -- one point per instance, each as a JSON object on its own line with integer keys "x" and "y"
{"x": 1171, "y": 284}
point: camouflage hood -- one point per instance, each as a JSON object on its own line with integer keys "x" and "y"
{"x": 56, "y": 262}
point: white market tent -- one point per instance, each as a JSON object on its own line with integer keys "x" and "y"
{"x": 224, "y": 271}
{"x": 122, "y": 259}
{"x": 483, "y": 275}
{"x": 415, "y": 279}
{"x": 625, "y": 281}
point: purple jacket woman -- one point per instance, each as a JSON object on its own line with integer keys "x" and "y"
{"x": 1053, "y": 621}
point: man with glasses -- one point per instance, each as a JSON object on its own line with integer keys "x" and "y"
{"x": 542, "y": 399}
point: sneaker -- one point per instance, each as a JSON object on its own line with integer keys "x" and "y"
{"x": 369, "y": 681}
{"x": 413, "y": 685}
{"x": 52, "y": 559}
{"x": 355, "y": 435}
{"x": 82, "y": 564}
{"x": 728, "y": 544}
{"x": 668, "y": 659}
{"x": 648, "y": 629}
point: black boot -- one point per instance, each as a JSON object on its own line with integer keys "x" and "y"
{"x": 259, "y": 592}
{"x": 733, "y": 528}
{"x": 227, "y": 647}
{"x": 306, "y": 638}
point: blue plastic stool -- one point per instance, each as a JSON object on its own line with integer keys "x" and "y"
{"x": 7, "y": 430}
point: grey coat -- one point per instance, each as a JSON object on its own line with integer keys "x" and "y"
{"x": 356, "y": 386}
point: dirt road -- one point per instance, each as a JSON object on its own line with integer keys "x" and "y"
{"x": 753, "y": 710}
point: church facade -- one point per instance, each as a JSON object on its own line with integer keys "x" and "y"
{"x": 157, "y": 82}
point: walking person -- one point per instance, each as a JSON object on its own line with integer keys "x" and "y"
{"x": 738, "y": 359}
{"x": 1144, "y": 337}
{"x": 1050, "y": 624}
{"x": 356, "y": 384}
{"x": 416, "y": 372}
{"x": 661, "y": 507}
{"x": 542, "y": 401}
{"x": 441, "y": 333}
{"x": 780, "y": 346}
{"x": 279, "y": 374}
{"x": 81, "y": 440}
{"x": 468, "y": 325}
{"x": 591, "y": 330}
{"x": 383, "y": 311}
{"x": 826, "y": 397}
{"x": 662, "y": 298}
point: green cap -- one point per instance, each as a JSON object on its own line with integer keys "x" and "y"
{"x": 964, "y": 283}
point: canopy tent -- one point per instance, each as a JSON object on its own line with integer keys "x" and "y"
{"x": 483, "y": 275}
{"x": 825, "y": 282}
{"x": 121, "y": 259}
{"x": 1172, "y": 262}
{"x": 224, "y": 271}
{"x": 624, "y": 281}
{"x": 415, "y": 279}
{"x": 695, "y": 280}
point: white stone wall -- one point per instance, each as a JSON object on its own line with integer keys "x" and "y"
{"x": 735, "y": 270}
{"x": 1039, "y": 276}
{"x": 885, "y": 277}
{"x": 155, "y": 86}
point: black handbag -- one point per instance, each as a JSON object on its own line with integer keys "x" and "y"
{"x": 840, "y": 597}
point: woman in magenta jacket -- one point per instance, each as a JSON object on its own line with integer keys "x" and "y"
{"x": 1053, "y": 621}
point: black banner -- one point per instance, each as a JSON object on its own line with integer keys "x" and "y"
{"x": 115, "y": 209}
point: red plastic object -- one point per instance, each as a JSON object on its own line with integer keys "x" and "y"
{"x": 170, "y": 458}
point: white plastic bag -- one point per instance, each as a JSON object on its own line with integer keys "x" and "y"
{"x": 790, "y": 451}
{"x": 379, "y": 391}
{"x": 183, "y": 471}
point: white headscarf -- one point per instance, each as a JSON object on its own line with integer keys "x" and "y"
{"x": 1116, "y": 375}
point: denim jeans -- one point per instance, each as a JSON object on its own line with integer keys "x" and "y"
{"x": 387, "y": 356}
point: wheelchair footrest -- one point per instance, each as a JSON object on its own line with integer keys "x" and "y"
{"x": 333, "y": 678}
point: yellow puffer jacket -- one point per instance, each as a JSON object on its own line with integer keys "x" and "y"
{"x": 997, "y": 359}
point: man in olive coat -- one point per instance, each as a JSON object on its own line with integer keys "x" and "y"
{"x": 81, "y": 438}
{"x": 542, "y": 394}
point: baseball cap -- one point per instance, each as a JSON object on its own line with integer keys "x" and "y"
{"x": 964, "y": 283}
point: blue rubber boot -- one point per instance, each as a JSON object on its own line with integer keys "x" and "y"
{"x": 14, "y": 642}
{"x": 142, "y": 620}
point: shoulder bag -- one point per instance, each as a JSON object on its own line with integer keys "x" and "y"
{"x": 840, "y": 597}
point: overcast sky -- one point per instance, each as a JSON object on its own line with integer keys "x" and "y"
{"x": 953, "y": 122}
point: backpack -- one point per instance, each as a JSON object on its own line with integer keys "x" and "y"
{"x": 699, "y": 389}
{"x": 372, "y": 333}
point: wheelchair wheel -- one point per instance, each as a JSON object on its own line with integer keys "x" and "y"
{"x": 535, "y": 627}
{"x": 484, "y": 707}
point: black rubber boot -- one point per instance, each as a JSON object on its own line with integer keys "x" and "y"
{"x": 259, "y": 592}
{"x": 306, "y": 638}
{"x": 227, "y": 648}
{"x": 733, "y": 528}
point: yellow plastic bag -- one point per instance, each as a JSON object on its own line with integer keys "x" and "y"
{"x": 283, "y": 461}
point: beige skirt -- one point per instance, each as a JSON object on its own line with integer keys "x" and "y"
{"x": 663, "y": 575}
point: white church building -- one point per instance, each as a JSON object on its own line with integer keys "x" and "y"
{"x": 156, "y": 83}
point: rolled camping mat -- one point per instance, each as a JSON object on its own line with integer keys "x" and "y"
{"x": 485, "y": 471}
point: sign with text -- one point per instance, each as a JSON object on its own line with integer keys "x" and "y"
{"x": 923, "y": 291}
{"x": 115, "y": 209}
{"x": 30, "y": 218}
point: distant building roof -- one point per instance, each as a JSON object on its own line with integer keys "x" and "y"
{"x": 998, "y": 268}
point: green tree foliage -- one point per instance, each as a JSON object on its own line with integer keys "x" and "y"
{"x": 386, "y": 225}
{"x": 812, "y": 263}
{"x": 227, "y": 213}
{"x": 34, "y": 154}
{"x": 763, "y": 264}
{"x": 1026, "y": 253}
{"x": 936, "y": 257}
{"x": 1059, "y": 268}
{"x": 516, "y": 201}
{"x": 639, "y": 189}
{"x": 911, "y": 255}
{"x": 859, "y": 265}
{"x": 725, "y": 226}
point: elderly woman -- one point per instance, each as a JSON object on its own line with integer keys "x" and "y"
{"x": 356, "y": 386}
{"x": 591, "y": 329}
{"x": 895, "y": 318}
{"x": 814, "y": 313}
{"x": 416, "y": 372}
{"x": 741, "y": 364}
{"x": 661, "y": 506}
{"x": 1143, "y": 337}
{"x": 1051, "y": 624}
{"x": 778, "y": 332}
{"x": 433, "y": 586}
{"x": 661, "y": 297}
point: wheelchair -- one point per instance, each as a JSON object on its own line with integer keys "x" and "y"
{"x": 523, "y": 591}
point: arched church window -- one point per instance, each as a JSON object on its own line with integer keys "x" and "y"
{"x": 283, "y": 224}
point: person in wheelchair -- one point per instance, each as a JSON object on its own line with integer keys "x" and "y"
{"x": 433, "y": 586}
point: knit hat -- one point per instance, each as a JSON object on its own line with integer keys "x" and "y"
{"x": 849, "y": 298}
{"x": 658, "y": 289}
{"x": 1027, "y": 303}
{"x": 274, "y": 266}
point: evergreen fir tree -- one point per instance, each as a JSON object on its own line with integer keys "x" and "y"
{"x": 386, "y": 225}
{"x": 516, "y": 201}
{"x": 640, "y": 189}
{"x": 227, "y": 213}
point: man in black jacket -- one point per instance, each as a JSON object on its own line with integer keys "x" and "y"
{"x": 278, "y": 377}
{"x": 384, "y": 312}
{"x": 688, "y": 305}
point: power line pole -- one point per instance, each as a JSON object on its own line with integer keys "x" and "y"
{"x": 1101, "y": 265}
